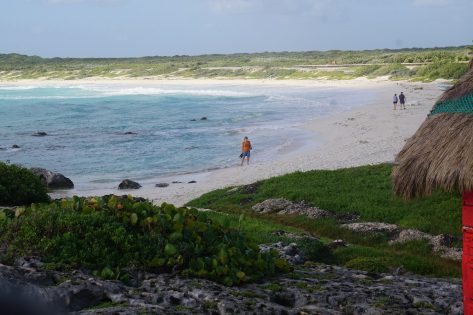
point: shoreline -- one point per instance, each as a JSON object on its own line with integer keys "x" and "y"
{"x": 358, "y": 82}
{"x": 370, "y": 134}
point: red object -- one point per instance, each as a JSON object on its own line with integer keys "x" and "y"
{"x": 467, "y": 258}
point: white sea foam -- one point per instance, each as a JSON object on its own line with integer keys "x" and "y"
{"x": 88, "y": 91}
{"x": 55, "y": 97}
{"x": 160, "y": 91}
{"x": 14, "y": 88}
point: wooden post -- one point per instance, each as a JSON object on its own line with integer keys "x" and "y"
{"x": 467, "y": 258}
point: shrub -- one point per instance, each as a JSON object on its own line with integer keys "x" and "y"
{"x": 442, "y": 69}
{"x": 393, "y": 70}
{"x": 19, "y": 186}
{"x": 109, "y": 234}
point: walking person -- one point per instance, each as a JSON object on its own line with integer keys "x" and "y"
{"x": 395, "y": 99}
{"x": 402, "y": 101}
{"x": 245, "y": 151}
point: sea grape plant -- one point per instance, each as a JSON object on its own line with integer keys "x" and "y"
{"x": 111, "y": 234}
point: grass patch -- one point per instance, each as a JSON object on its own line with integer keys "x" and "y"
{"x": 365, "y": 191}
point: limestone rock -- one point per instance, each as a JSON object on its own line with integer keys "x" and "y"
{"x": 129, "y": 184}
{"x": 283, "y": 206}
{"x": 320, "y": 289}
{"x": 371, "y": 227}
{"x": 53, "y": 180}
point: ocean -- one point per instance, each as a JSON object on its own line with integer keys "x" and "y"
{"x": 99, "y": 134}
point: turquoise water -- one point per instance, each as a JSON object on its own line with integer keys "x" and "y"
{"x": 86, "y": 126}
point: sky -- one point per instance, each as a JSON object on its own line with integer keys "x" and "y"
{"x": 133, "y": 28}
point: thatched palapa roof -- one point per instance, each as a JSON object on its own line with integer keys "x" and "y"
{"x": 440, "y": 153}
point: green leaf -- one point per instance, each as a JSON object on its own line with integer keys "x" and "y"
{"x": 19, "y": 211}
{"x": 241, "y": 275}
{"x": 133, "y": 218}
{"x": 170, "y": 250}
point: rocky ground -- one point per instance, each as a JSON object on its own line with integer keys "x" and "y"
{"x": 311, "y": 289}
{"x": 441, "y": 244}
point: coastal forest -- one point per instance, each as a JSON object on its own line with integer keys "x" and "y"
{"x": 417, "y": 64}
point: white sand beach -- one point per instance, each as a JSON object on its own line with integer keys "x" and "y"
{"x": 370, "y": 134}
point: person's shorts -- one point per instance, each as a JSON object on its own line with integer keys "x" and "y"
{"x": 403, "y": 102}
{"x": 394, "y": 103}
{"x": 246, "y": 154}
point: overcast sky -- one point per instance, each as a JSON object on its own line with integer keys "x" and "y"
{"x": 126, "y": 28}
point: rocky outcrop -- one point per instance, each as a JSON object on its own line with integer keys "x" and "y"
{"x": 129, "y": 184}
{"x": 441, "y": 244}
{"x": 53, "y": 180}
{"x": 283, "y": 206}
{"x": 290, "y": 252}
{"x": 320, "y": 289}
{"x": 162, "y": 185}
{"x": 371, "y": 227}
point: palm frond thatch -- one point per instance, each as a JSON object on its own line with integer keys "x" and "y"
{"x": 440, "y": 154}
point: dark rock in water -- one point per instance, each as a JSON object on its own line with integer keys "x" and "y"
{"x": 1, "y": 149}
{"x": 192, "y": 182}
{"x": 128, "y": 184}
{"x": 162, "y": 185}
{"x": 39, "y": 134}
{"x": 53, "y": 180}
{"x": 130, "y": 133}
{"x": 176, "y": 182}
{"x": 203, "y": 118}
{"x": 193, "y": 119}
{"x": 15, "y": 146}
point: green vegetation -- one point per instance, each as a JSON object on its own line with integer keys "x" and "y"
{"x": 111, "y": 235}
{"x": 365, "y": 191}
{"x": 418, "y": 64}
{"x": 19, "y": 186}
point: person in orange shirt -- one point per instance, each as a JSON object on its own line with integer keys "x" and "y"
{"x": 245, "y": 151}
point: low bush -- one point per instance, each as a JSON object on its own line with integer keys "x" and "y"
{"x": 442, "y": 69}
{"x": 19, "y": 186}
{"x": 112, "y": 234}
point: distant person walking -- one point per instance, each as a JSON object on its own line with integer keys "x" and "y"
{"x": 402, "y": 101}
{"x": 395, "y": 99}
{"x": 245, "y": 151}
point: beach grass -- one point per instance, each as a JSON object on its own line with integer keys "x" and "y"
{"x": 365, "y": 191}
